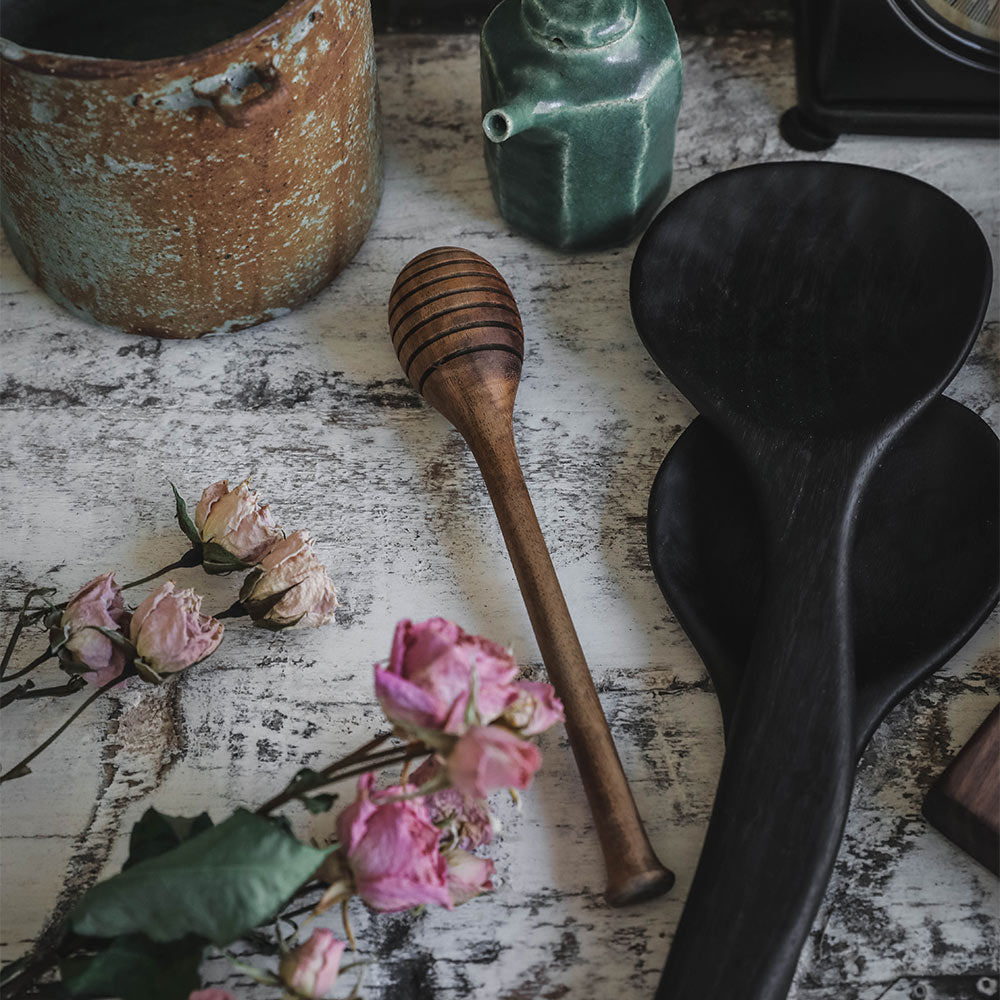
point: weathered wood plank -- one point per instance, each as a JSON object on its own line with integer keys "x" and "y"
{"x": 96, "y": 424}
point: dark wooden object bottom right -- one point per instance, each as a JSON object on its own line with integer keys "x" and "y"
{"x": 964, "y": 803}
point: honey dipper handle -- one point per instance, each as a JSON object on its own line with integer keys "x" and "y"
{"x": 634, "y": 872}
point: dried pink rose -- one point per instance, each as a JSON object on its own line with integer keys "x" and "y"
{"x": 98, "y": 603}
{"x": 312, "y": 969}
{"x": 290, "y": 587}
{"x": 235, "y": 521}
{"x": 211, "y": 994}
{"x": 537, "y": 708}
{"x": 391, "y": 848}
{"x": 487, "y": 758}
{"x": 464, "y": 821}
{"x": 468, "y": 876}
{"x": 426, "y": 685}
{"x": 169, "y": 631}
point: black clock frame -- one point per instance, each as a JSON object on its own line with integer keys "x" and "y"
{"x": 888, "y": 67}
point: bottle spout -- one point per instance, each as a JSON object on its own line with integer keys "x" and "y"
{"x": 501, "y": 123}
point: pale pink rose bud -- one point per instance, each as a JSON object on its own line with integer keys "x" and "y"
{"x": 87, "y": 650}
{"x": 392, "y": 850}
{"x": 211, "y": 994}
{"x": 427, "y": 682}
{"x": 468, "y": 876}
{"x": 537, "y": 708}
{"x": 487, "y": 758}
{"x": 464, "y": 821}
{"x": 290, "y": 587}
{"x": 311, "y": 970}
{"x": 169, "y": 631}
{"x": 235, "y": 521}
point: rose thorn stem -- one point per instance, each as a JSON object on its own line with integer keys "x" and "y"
{"x": 369, "y": 759}
{"x": 333, "y": 774}
{"x": 14, "y": 694}
{"x": 20, "y": 769}
{"x": 74, "y": 684}
{"x": 36, "y": 662}
{"x": 190, "y": 558}
{"x": 9, "y": 651}
{"x": 361, "y": 752}
{"x": 22, "y": 619}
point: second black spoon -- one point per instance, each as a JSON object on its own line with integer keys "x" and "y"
{"x": 925, "y": 570}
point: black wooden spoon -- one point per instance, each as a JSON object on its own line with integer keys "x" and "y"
{"x": 925, "y": 567}
{"x": 810, "y": 311}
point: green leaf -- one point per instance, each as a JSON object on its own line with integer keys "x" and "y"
{"x": 218, "y": 560}
{"x": 219, "y": 884}
{"x": 156, "y": 833}
{"x": 184, "y": 519}
{"x": 306, "y": 779}
{"x": 318, "y": 803}
{"x": 134, "y": 968}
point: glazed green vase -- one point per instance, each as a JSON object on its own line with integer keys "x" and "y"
{"x": 580, "y": 103}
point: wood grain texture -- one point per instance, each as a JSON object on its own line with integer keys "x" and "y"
{"x": 964, "y": 803}
{"x": 443, "y": 315}
{"x": 95, "y": 423}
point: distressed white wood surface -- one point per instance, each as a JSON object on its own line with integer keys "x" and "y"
{"x": 95, "y": 425}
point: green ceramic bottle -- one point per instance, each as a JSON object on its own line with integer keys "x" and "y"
{"x": 580, "y": 103}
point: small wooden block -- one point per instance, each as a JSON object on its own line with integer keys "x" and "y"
{"x": 964, "y": 803}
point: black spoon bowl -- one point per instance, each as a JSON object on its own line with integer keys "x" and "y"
{"x": 925, "y": 565}
{"x": 810, "y": 311}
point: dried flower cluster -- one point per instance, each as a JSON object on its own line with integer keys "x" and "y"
{"x": 98, "y": 640}
{"x": 232, "y": 530}
{"x": 454, "y": 700}
{"x": 412, "y": 841}
{"x": 97, "y": 636}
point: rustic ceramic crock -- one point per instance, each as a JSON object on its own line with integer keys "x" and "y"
{"x": 189, "y": 168}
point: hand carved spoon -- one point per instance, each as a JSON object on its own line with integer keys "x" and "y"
{"x": 810, "y": 311}
{"x": 925, "y": 566}
{"x": 457, "y": 333}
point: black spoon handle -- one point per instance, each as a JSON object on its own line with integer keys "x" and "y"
{"x": 786, "y": 779}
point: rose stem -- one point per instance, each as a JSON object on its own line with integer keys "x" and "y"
{"x": 16, "y": 693}
{"x": 283, "y": 796}
{"x": 361, "y": 752}
{"x": 28, "y": 690}
{"x": 334, "y": 773}
{"x": 36, "y": 662}
{"x": 190, "y": 558}
{"x": 372, "y": 759}
{"x": 9, "y": 652}
{"x": 22, "y": 619}
{"x": 404, "y": 755}
{"x": 20, "y": 769}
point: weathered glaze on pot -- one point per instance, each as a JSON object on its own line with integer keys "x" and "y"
{"x": 580, "y": 104}
{"x": 200, "y": 193}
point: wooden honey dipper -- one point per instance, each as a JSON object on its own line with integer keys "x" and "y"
{"x": 458, "y": 336}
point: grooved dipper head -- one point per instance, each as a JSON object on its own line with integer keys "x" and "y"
{"x": 456, "y": 331}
